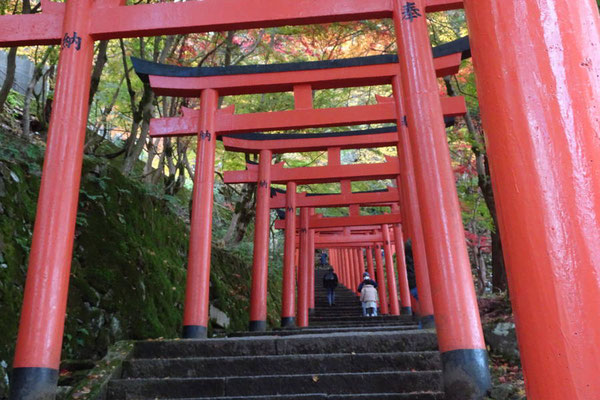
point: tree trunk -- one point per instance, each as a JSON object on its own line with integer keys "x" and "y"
{"x": 243, "y": 215}
{"x": 11, "y": 66}
{"x": 485, "y": 185}
{"x": 38, "y": 72}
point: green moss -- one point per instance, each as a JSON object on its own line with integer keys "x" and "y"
{"x": 128, "y": 271}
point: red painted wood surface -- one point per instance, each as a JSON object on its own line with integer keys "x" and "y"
{"x": 198, "y": 272}
{"x": 45, "y": 299}
{"x": 544, "y": 165}
{"x": 457, "y": 316}
{"x": 112, "y": 21}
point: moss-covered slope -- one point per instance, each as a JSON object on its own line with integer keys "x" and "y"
{"x": 128, "y": 271}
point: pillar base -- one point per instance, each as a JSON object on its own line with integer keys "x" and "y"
{"x": 406, "y": 311}
{"x": 288, "y": 322}
{"x": 427, "y": 322}
{"x": 257, "y": 326}
{"x": 194, "y": 332}
{"x": 33, "y": 384}
{"x": 466, "y": 374}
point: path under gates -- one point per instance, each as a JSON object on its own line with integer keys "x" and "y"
{"x": 340, "y": 356}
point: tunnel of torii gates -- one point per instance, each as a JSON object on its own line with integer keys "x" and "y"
{"x": 538, "y": 67}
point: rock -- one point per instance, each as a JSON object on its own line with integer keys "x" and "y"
{"x": 505, "y": 391}
{"x": 502, "y": 339}
{"x": 3, "y": 379}
{"x": 219, "y": 317}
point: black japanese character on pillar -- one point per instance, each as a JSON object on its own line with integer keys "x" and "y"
{"x": 263, "y": 184}
{"x": 68, "y": 41}
{"x": 205, "y": 135}
{"x": 410, "y": 11}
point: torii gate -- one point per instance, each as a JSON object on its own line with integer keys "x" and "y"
{"x": 381, "y": 238}
{"x": 53, "y": 233}
{"x": 264, "y": 174}
{"x": 333, "y": 142}
{"x": 169, "y": 80}
{"x": 76, "y": 24}
{"x": 282, "y": 200}
{"x": 461, "y": 343}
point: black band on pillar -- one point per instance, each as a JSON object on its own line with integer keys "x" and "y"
{"x": 258, "y": 326}
{"x": 427, "y": 322}
{"x": 406, "y": 311}
{"x": 194, "y": 332}
{"x": 288, "y": 322}
{"x": 33, "y": 384}
{"x": 466, "y": 374}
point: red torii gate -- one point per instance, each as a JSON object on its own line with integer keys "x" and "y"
{"x": 380, "y": 238}
{"x": 168, "y": 80}
{"x": 460, "y": 335}
{"x": 38, "y": 345}
{"x": 264, "y": 174}
{"x": 575, "y": 35}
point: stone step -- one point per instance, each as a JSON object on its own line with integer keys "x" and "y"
{"x": 362, "y": 325}
{"x": 321, "y": 396}
{"x": 309, "y": 330}
{"x": 344, "y": 383}
{"x": 360, "y": 318}
{"x": 206, "y": 367}
{"x": 343, "y": 342}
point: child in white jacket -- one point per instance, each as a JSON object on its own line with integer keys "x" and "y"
{"x": 368, "y": 295}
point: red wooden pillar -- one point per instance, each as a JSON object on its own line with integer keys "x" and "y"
{"x": 361, "y": 260}
{"x": 402, "y": 273}
{"x": 311, "y": 276}
{"x": 370, "y": 269}
{"x": 355, "y": 268}
{"x": 460, "y": 337}
{"x": 334, "y": 259}
{"x": 260, "y": 268}
{"x": 39, "y": 342}
{"x": 413, "y": 218}
{"x": 303, "y": 296}
{"x": 288, "y": 304}
{"x": 390, "y": 272}
{"x": 347, "y": 274}
{"x": 544, "y": 165}
{"x": 384, "y": 308}
{"x": 195, "y": 317}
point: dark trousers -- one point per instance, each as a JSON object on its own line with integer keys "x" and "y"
{"x": 331, "y": 295}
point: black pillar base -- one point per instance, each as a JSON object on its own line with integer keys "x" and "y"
{"x": 288, "y": 322}
{"x": 406, "y": 311}
{"x": 257, "y": 326}
{"x": 466, "y": 374}
{"x": 427, "y": 322}
{"x": 194, "y": 332}
{"x": 33, "y": 384}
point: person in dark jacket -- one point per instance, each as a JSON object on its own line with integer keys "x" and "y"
{"x": 366, "y": 281}
{"x": 330, "y": 282}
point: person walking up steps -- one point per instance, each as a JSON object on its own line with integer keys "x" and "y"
{"x": 330, "y": 282}
{"x": 369, "y": 298}
{"x": 366, "y": 281}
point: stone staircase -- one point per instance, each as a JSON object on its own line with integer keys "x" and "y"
{"x": 341, "y": 356}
